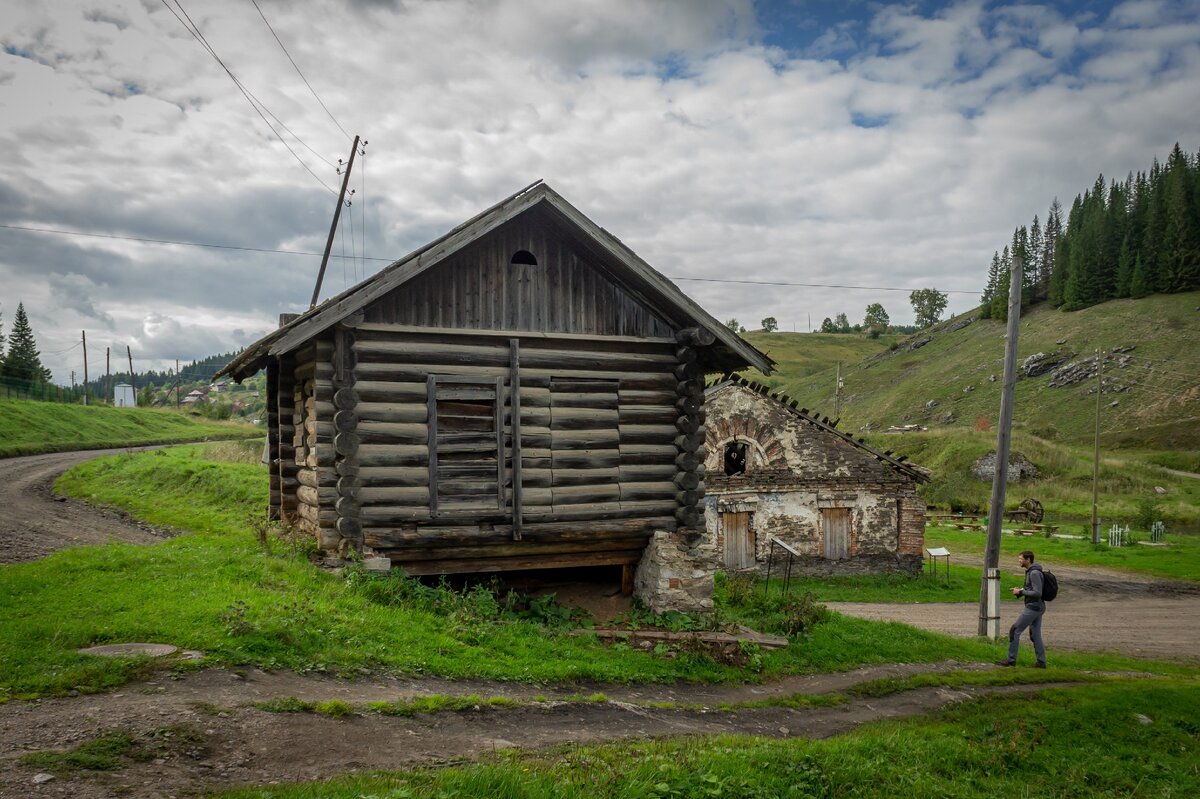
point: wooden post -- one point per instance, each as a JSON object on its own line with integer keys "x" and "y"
{"x": 337, "y": 214}
{"x": 132, "y": 380}
{"x": 108, "y": 374}
{"x": 85, "y": 371}
{"x": 1096, "y": 452}
{"x": 991, "y": 559}
{"x": 514, "y": 383}
{"x": 837, "y": 393}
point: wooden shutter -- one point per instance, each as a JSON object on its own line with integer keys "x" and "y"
{"x": 466, "y": 445}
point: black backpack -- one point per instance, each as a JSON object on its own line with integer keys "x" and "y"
{"x": 1049, "y": 586}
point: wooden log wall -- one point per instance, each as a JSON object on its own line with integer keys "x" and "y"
{"x": 276, "y": 495}
{"x": 284, "y": 483}
{"x": 312, "y": 437}
{"x": 344, "y": 479}
{"x": 597, "y": 449}
{"x": 689, "y": 426}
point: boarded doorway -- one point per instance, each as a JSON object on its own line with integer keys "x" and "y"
{"x": 739, "y": 541}
{"x": 835, "y": 527}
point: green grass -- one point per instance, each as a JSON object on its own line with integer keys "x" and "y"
{"x": 1179, "y": 561}
{"x": 219, "y": 592}
{"x": 105, "y": 753}
{"x": 29, "y": 428}
{"x": 1087, "y": 741}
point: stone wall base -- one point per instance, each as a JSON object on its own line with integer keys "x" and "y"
{"x": 673, "y": 575}
{"x": 859, "y": 564}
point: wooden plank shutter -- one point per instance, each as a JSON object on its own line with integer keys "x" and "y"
{"x": 466, "y": 445}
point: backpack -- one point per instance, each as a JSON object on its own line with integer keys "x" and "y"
{"x": 1049, "y": 586}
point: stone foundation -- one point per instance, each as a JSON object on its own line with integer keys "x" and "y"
{"x": 858, "y": 564}
{"x": 674, "y": 574}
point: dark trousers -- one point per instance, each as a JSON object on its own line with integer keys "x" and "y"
{"x": 1032, "y": 620}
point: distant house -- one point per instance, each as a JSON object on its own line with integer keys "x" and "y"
{"x": 219, "y": 387}
{"x": 523, "y": 393}
{"x": 776, "y": 472}
{"x": 195, "y": 395}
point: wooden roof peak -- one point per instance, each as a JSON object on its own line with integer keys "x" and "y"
{"x": 648, "y": 280}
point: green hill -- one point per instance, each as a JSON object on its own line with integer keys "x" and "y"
{"x": 948, "y": 379}
{"x": 28, "y": 428}
{"x": 950, "y": 376}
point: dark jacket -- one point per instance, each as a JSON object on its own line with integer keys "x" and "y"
{"x": 1032, "y": 592}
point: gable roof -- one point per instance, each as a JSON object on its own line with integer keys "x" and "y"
{"x": 918, "y": 473}
{"x": 642, "y": 279}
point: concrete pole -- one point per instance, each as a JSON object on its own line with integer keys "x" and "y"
{"x": 1096, "y": 452}
{"x": 989, "y": 590}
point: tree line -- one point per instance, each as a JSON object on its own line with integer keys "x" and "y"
{"x": 927, "y": 304}
{"x": 1128, "y": 239}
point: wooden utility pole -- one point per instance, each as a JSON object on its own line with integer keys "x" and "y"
{"x": 1096, "y": 453}
{"x": 989, "y": 589}
{"x": 108, "y": 394}
{"x": 178, "y": 382}
{"x": 85, "y": 374}
{"x": 337, "y": 214}
{"x": 132, "y": 380}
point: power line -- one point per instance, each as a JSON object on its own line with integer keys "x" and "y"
{"x": 805, "y": 285}
{"x": 31, "y": 229}
{"x": 297, "y": 67}
{"x": 193, "y": 29}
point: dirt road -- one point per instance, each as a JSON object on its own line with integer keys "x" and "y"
{"x": 1097, "y": 609}
{"x": 34, "y": 523}
{"x": 206, "y": 733}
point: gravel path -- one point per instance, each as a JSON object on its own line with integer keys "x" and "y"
{"x": 35, "y": 522}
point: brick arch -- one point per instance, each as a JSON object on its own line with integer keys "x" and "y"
{"x": 766, "y": 444}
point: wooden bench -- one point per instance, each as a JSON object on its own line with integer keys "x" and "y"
{"x": 969, "y": 526}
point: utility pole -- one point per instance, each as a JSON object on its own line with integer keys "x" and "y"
{"x": 108, "y": 374}
{"x": 337, "y": 214}
{"x": 132, "y": 380}
{"x": 989, "y": 589}
{"x": 178, "y": 378}
{"x": 85, "y": 374}
{"x": 1096, "y": 453}
{"x": 837, "y": 393}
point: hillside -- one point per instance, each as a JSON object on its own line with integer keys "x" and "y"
{"x": 950, "y": 375}
{"x": 28, "y": 428}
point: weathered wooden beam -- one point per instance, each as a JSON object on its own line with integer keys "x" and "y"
{"x": 695, "y": 337}
{"x": 534, "y": 561}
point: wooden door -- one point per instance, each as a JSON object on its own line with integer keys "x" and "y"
{"x": 739, "y": 543}
{"x": 835, "y": 528}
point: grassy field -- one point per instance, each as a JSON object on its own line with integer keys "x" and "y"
{"x": 30, "y": 428}
{"x": 219, "y": 591}
{"x": 1125, "y": 739}
{"x": 1179, "y": 560}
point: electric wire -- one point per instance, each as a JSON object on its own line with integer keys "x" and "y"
{"x": 298, "y": 72}
{"x": 254, "y": 102}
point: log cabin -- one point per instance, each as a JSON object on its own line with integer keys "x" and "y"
{"x": 524, "y": 392}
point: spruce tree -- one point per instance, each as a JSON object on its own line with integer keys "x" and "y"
{"x": 22, "y": 361}
{"x": 1124, "y": 269}
{"x": 1051, "y": 236}
{"x": 1033, "y": 263}
{"x": 1000, "y": 299}
{"x": 989, "y": 291}
{"x": 1138, "y": 286}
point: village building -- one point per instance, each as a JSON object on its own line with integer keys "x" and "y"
{"x": 780, "y": 474}
{"x": 524, "y": 392}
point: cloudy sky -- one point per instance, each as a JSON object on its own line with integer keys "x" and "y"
{"x": 851, "y": 143}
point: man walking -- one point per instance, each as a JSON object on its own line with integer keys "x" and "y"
{"x": 1031, "y": 616}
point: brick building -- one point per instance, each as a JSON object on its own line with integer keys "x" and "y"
{"x": 775, "y": 471}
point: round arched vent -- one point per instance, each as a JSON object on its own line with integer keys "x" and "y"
{"x": 523, "y": 257}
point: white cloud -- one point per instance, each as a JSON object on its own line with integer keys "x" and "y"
{"x": 903, "y": 164}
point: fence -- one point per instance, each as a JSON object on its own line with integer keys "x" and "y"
{"x": 12, "y": 388}
{"x": 1158, "y": 531}
{"x": 1118, "y": 536}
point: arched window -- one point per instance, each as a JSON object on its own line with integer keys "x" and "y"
{"x": 735, "y": 458}
{"x": 523, "y": 257}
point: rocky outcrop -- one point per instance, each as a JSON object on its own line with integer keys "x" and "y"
{"x": 1040, "y": 363}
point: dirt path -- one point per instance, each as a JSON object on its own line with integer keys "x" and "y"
{"x": 35, "y": 523}
{"x": 229, "y": 742}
